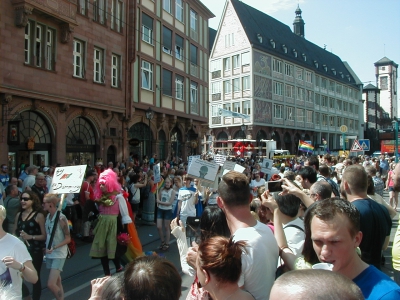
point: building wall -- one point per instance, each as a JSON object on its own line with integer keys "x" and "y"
{"x": 57, "y": 94}
{"x": 158, "y": 58}
{"x": 282, "y": 103}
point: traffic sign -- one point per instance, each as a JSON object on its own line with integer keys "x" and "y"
{"x": 343, "y": 129}
{"x": 365, "y": 144}
{"x": 356, "y": 147}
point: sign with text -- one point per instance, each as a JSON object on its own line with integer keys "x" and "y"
{"x": 68, "y": 179}
{"x": 204, "y": 170}
{"x": 191, "y": 158}
{"x": 157, "y": 174}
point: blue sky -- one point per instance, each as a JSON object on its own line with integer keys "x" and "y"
{"x": 360, "y": 32}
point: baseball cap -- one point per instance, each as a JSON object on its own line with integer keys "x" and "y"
{"x": 45, "y": 169}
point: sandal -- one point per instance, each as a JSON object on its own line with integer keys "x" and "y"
{"x": 165, "y": 247}
{"x": 162, "y": 245}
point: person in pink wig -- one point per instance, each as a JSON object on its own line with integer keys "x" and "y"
{"x": 111, "y": 203}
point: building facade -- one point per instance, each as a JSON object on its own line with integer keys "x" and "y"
{"x": 291, "y": 89}
{"x": 63, "y": 82}
{"x": 169, "y": 78}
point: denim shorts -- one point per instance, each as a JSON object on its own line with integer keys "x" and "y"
{"x": 55, "y": 263}
{"x": 391, "y": 189}
{"x": 165, "y": 214}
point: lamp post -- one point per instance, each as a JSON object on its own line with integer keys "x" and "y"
{"x": 149, "y": 116}
{"x": 395, "y": 124}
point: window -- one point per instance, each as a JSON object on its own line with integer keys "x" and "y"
{"x": 147, "y": 75}
{"x": 82, "y": 7}
{"x": 324, "y": 83}
{"x": 277, "y": 65}
{"x": 331, "y": 103}
{"x": 331, "y": 121}
{"x": 299, "y": 74}
{"x": 339, "y": 89}
{"x": 317, "y": 99}
{"x": 245, "y": 58}
{"x": 300, "y": 115}
{"x": 236, "y": 84}
{"x": 28, "y": 50}
{"x": 289, "y": 113}
{"x": 216, "y": 87}
{"x": 227, "y": 87}
{"x": 193, "y": 97}
{"x": 38, "y": 45}
{"x": 228, "y": 106}
{"x": 384, "y": 83}
{"x": 167, "y": 5}
{"x": 79, "y": 58}
{"x": 324, "y": 101}
{"x": 300, "y": 94}
{"x": 345, "y": 106}
{"x": 98, "y": 65}
{"x": 117, "y": 15}
{"x": 339, "y": 104}
{"x": 317, "y": 118}
{"x": 227, "y": 64}
{"x": 310, "y": 96}
{"x": 246, "y": 107}
{"x": 115, "y": 70}
{"x": 215, "y": 110}
{"x": 167, "y": 82}
{"x": 289, "y": 91}
{"x": 236, "y": 107}
{"x": 229, "y": 40}
{"x": 278, "y": 111}
{"x": 99, "y": 11}
{"x": 147, "y": 29}
{"x": 331, "y": 85}
{"x": 278, "y": 88}
{"x": 339, "y": 122}
{"x": 309, "y": 116}
{"x": 317, "y": 80}
{"x": 288, "y": 70}
{"x": 193, "y": 24}
{"x": 167, "y": 40}
{"x": 49, "y": 49}
{"x": 215, "y": 65}
{"x": 309, "y": 77}
{"x": 178, "y": 47}
{"x": 179, "y": 10}
{"x": 179, "y": 87}
{"x": 246, "y": 83}
{"x": 236, "y": 61}
{"x": 193, "y": 60}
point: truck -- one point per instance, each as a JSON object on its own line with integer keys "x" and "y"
{"x": 272, "y": 153}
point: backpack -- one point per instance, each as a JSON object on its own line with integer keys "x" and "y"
{"x": 71, "y": 248}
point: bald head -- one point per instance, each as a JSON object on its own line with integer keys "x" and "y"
{"x": 300, "y": 284}
{"x": 322, "y": 190}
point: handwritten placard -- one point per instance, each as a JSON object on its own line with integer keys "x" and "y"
{"x": 204, "y": 170}
{"x": 68, "y": 179}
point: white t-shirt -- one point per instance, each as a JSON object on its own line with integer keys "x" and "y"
{"x": 294, "y": 236}
{"x": 186, "y": 196}
{"x": 260, "y": 261}
{"x": 12, "y": 246}
{"x": 255, "y": 183}
{"x": 165, "y": 197}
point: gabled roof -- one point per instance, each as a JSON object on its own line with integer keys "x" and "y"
{"x": 257, "y": 23}
{"x": 385, "y": 61}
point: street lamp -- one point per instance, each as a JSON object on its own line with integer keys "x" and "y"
{"x": 149, "y": 116}
{"x": 395, "y": 124}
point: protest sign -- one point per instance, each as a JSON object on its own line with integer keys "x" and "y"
{"x": 157, "y": 174}
{"x": 204, "y": 170}
{"x": 68, "y": 179}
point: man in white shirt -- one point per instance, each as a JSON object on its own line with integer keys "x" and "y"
{"x": 261, "y": 257}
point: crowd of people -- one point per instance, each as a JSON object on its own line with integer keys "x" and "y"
{"x": 251, "y": 241}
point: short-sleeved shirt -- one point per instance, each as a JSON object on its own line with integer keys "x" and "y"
{"x": 375, "y": 224}
{"x": 85, "y": 187}
{"x": 376, "y": 285}
{"x": 186, "y": 196}
{"x": 12, "y": 246}
{"x": 4, "y": 179}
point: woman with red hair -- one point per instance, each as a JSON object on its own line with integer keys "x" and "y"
{"x": 110, "y": 203}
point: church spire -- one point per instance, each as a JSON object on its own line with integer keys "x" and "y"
{"x": 298, "y": 23}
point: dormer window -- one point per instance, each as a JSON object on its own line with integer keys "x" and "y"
{"x": 259, "y": 37}
{"x": 284, "y": 48}
{"x": 272, "y": 43}
{"x": 333, "y": 71}
{"x": 316, "y": 64}
{"x": 304, "y": 57}
{"x": 341, "y": 74}
{"x": 348, "y": 77}
{"x": 294, "y": 52}
{"x": 325, "y": 68}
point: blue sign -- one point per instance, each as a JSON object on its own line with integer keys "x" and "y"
{"x": 365, "y": 145}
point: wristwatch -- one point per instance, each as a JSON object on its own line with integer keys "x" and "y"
{"x": 22, "y": 267}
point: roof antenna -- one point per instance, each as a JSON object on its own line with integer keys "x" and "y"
{"x": 324, "y": 46}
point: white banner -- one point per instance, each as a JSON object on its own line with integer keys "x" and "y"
{"x": 227, "y": 113}
{"x": 68, "y": 179}
{"x": 219, "y": 159}
{"x": 204, "y": 170}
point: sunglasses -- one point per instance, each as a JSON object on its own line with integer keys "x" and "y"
{"x": 25, "y": 199}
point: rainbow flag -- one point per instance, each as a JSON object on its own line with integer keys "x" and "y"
{"x": 305, "y": 147}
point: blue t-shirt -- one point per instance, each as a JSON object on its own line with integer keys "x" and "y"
{"x": 376, "y": 285}
{"x": 4, "y": 179}
{"x": 375, "y": 225}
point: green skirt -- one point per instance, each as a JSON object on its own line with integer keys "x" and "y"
{"x": 105, "y": 237}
